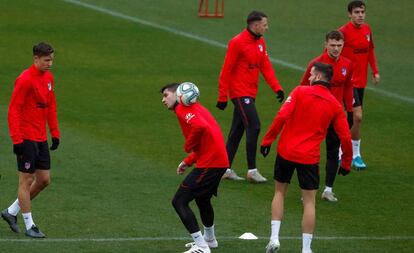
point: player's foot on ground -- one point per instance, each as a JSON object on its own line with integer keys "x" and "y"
{"x": 256, "y": 177}
{"x": 197, "y": 249}
{"x": 273, "y": 246}
{"x": 34, "y": 232}
{"x": 231, "y": 175}
{"x": 212, "y": 244}
{"x": 329, "y": 196}
{"x": 358, "y": 163}
{"x": 307, "y": 251}
{"x": 11, "y": 220}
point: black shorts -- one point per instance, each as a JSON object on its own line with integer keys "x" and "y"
{"x": 35, "y": 156}
{"x": 358, "y": 97}
{"x": 308, "y": 174}
{"x": 202, "y": 183}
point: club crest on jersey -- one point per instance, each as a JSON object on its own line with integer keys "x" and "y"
{"x": 27, "y": 165}
{"x": 288, "y": 99}
{"x": 189, "y": 116}
{"x": 260, "y": 48}
{"x": 247, "y": 101}
{"x": 343, "y": 71}
{"x": 368, "y": 37}
{"x": 49, "y": 86}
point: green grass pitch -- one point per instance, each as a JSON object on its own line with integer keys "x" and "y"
{"x": 113, "y": 176}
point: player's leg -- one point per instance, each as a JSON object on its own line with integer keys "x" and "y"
{"x": 308, "y": 177}
{"x": 332, "y": 152}
{"x": 42, "y": 173}
{"x": 207, "y": 217}
{"x": 233, "y": 139}
{"x": 356, "y": 129}
{"x": 282, "y": 174}
{"x": 251, "y": 123}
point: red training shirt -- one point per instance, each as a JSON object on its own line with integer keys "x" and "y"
{"x": 246, "y": 56}
{"x": 305, "y": 117}
{"x": 359, "y": 48}
{"x": 341, "y": 84}
{"x": 33, "y": 103}
{"x": 203, "y": 137}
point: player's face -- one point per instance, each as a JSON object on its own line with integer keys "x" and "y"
{"x": 44, "y": 63}
{"x": 357, "y": 16}
{"x": 334, "y": 47}
{"x": 260, "y": 27}
{"x": 169, "y": 99}
{"x": 314, "y": 76}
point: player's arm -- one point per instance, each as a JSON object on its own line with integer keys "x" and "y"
{"x": 373, "y": 62}
{"x": 15, "y": 113}
{"x": 270, "y": 76}
{"x": 230, "y": 61}
{"x": 187, "y": 162}
{"x": 341, "y": 128}
{"x": 284, "y": 113}
{"x": 349, "y": 91}
{"x": 198, "y": 126}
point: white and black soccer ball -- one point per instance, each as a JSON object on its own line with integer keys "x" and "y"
{"x": 187, "y": 93}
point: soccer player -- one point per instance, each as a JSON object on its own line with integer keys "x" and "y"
{"x": 246, "y": 56}
{"x": 32, "y": 106}
{"x": 359, "y": 48}
{"x": 303, "y": 120}
{"x": 204, "y": 142}
{"x": 341, "y": 88}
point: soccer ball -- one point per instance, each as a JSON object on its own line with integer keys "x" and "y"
{"x": 187, "y": 93}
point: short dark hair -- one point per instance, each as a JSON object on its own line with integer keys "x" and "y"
{"x": 334, "y": 35}
{"x": 325, "y": 69}
{"x": 255, "y": 16}
{"x": 42, "y": 49}
{"x": 171, "y": 87}
{"x": 355, "y": 4}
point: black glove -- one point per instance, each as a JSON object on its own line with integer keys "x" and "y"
{"x": 264, "y": 150}
{"x": 55, "y": 143}
{"x": 280, "y": 95}
{"x": 350, "y": 118}
{"x": 221, "y": 105}
{"x": 343, "y": 171}
{"x": 18, "y": 148}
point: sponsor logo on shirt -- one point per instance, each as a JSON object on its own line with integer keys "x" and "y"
{"x": 49, "y": 86}
{"x": 343, "y": 71}
{"x": 260, "y": 48}
{"x": 368, "y": 37}
{"x": 361, "y": 50}
{"x": 288, "y": 99}
{"x": 247, "y": 101}
{"x": 188, "y": 117}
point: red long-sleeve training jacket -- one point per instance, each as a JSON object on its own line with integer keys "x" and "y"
{"x": 246, "y": 56}
{"x": 32, "y": 105}
{"x": 359, "y": 48}
{"x": 203, "y": 137}
{"x": 305, "y": 117}
{"x": 341, "y": 84}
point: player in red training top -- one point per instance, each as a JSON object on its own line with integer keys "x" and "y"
{"x": 204, "y": 142}
{"x": 303, "y": 120}
{"x": 359, "y": 48}
{"x": 341, "y": 88}
{"x": 32, "y": 106}
{"x": 246, "y": 57}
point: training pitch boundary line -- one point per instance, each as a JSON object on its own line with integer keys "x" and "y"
{"x": 224, "y": 238}
{"x": 215, "y": 43}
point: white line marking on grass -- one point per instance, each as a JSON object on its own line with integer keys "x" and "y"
{"x": 223, "y": 238}
{"x": 214, "y": 43}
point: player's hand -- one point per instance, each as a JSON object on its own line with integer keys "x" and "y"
{"x": 181, "y": 168}
{"x": 18, "y": 148}
{"x": 280, "y": 95}
{"x": 342, "y": 171}
{"x": 221, "y": 105}
{"x": 264, "y": 150}
{"x": 55, "y": 143}
{"x": 376, "y": 79}
{"x": 350, "y": 118}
